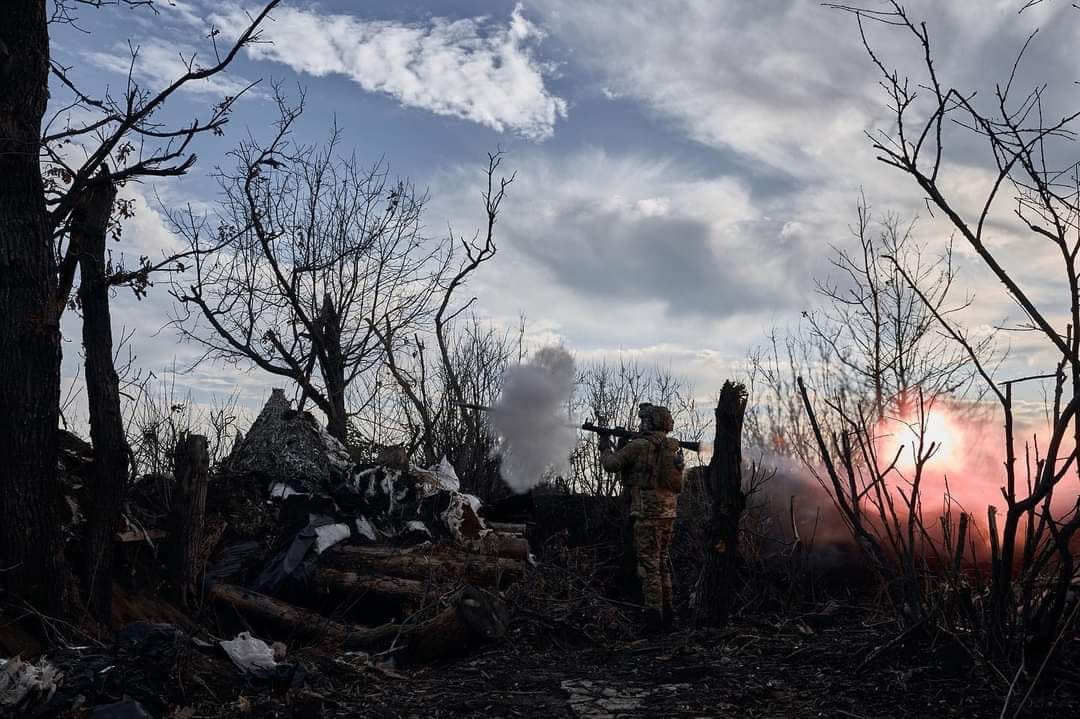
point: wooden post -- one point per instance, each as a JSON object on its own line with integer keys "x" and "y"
{"x": 719, "y": 582}
{"x": 187, "y": 514}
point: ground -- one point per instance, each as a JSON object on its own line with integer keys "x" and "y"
{"x": 858, "y": 667}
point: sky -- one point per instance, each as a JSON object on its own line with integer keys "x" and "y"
{"x": 683, "y": 166}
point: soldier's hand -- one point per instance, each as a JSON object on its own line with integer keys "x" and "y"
{"x": 603, "y": 442}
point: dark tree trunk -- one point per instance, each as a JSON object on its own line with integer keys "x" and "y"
{"x": 90, "y": 220}
{"x": 333, "y": 370}
{"x": 719, "y": 582}
{"x": 30, "y": 544}
{"x": 187, "y": 516}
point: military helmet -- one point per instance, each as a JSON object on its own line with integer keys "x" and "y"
{"x": 660, "y": 417}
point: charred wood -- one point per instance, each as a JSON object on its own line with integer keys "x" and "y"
{"x": 719, "y": 580}
{"x": 187, "y": 517}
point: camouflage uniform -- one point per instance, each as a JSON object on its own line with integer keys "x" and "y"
{"x": 652, "y": 509}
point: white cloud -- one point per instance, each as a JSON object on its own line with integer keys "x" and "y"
{"x": 628, "y": 254}
{"x": 471, "y": 68}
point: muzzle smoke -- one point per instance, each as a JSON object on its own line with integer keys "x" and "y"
{"x": 530, "y": 418}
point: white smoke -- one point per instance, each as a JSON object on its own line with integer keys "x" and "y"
{"x": 531, "y": 418}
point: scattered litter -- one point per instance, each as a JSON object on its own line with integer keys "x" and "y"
{"x": 251, "y": 655}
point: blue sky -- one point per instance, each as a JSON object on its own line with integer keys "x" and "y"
{"x": 683, "y": 165}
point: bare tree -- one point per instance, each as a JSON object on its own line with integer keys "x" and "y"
{"x": 427, "y": 412}
{"x": 309, "y": 258}
{"x": 873, "y": 341}
{"x": 1032, "y": 548}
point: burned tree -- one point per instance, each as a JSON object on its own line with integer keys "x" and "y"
{"x": 718, "y": 584}
{"x": 30, "y": 548}
{"x": 309, "y": 253}
{"x": 187, "y": 515}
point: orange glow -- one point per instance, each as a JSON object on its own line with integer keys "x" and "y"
{"x": 939, "y": 429}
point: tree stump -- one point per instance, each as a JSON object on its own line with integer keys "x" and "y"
{"x": 719, "y": 582}
{"x": 187, "y": 515}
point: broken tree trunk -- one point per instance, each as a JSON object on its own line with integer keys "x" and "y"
{"x": 187, "y": 515}
{"x": 470, "y": 616}
{"x": 442, "y": 562}
{"x": 333, "y": 370}
{"x": 109, "y": 473}
{"x": 719, "y": 580}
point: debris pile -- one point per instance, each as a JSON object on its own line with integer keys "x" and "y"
{"x": 362, "y": 555}
{"x": 377, "y": 564}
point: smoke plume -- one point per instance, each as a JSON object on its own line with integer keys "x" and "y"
{"x": 530, "y": 418}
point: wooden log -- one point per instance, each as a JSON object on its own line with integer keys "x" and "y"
{"x": 426, "y": 563}
{"x": 516, "y": 528}
{"x": 188, "y": 514}
{"x": 500, "y": 545}
{"x": 472, "y": 616}
{"x": 404, "y": 594}
{"x": 301, "y": 621}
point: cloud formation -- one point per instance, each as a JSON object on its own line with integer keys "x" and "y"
{"x": 470, "y": 68}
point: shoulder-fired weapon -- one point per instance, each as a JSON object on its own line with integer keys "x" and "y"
{"x": 620, "y": 432}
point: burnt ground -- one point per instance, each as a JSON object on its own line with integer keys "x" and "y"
{"x": 750, "y": 670}
{"x": 857, "y": 667}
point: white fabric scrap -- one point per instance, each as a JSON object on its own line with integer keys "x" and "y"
{"x": 453, "y": 517}
{"x": 366, "y": 529}
{"x": 280, "y": 490}
{"x": 248, "y": 653}
{"x": 19, "y": 679}
{"x": 446, "y": 476}
{"x": 328, "y": 535}
{"x": 415, "y": 525}
{"x": 438, "y": 477}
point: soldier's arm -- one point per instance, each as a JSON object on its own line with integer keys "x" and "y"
{"x": 619, "y": 459}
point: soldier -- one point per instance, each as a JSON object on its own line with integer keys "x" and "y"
{"x": 651, "y": 471}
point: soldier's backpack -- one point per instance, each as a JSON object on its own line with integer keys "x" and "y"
{"x": 668, "y": 465}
